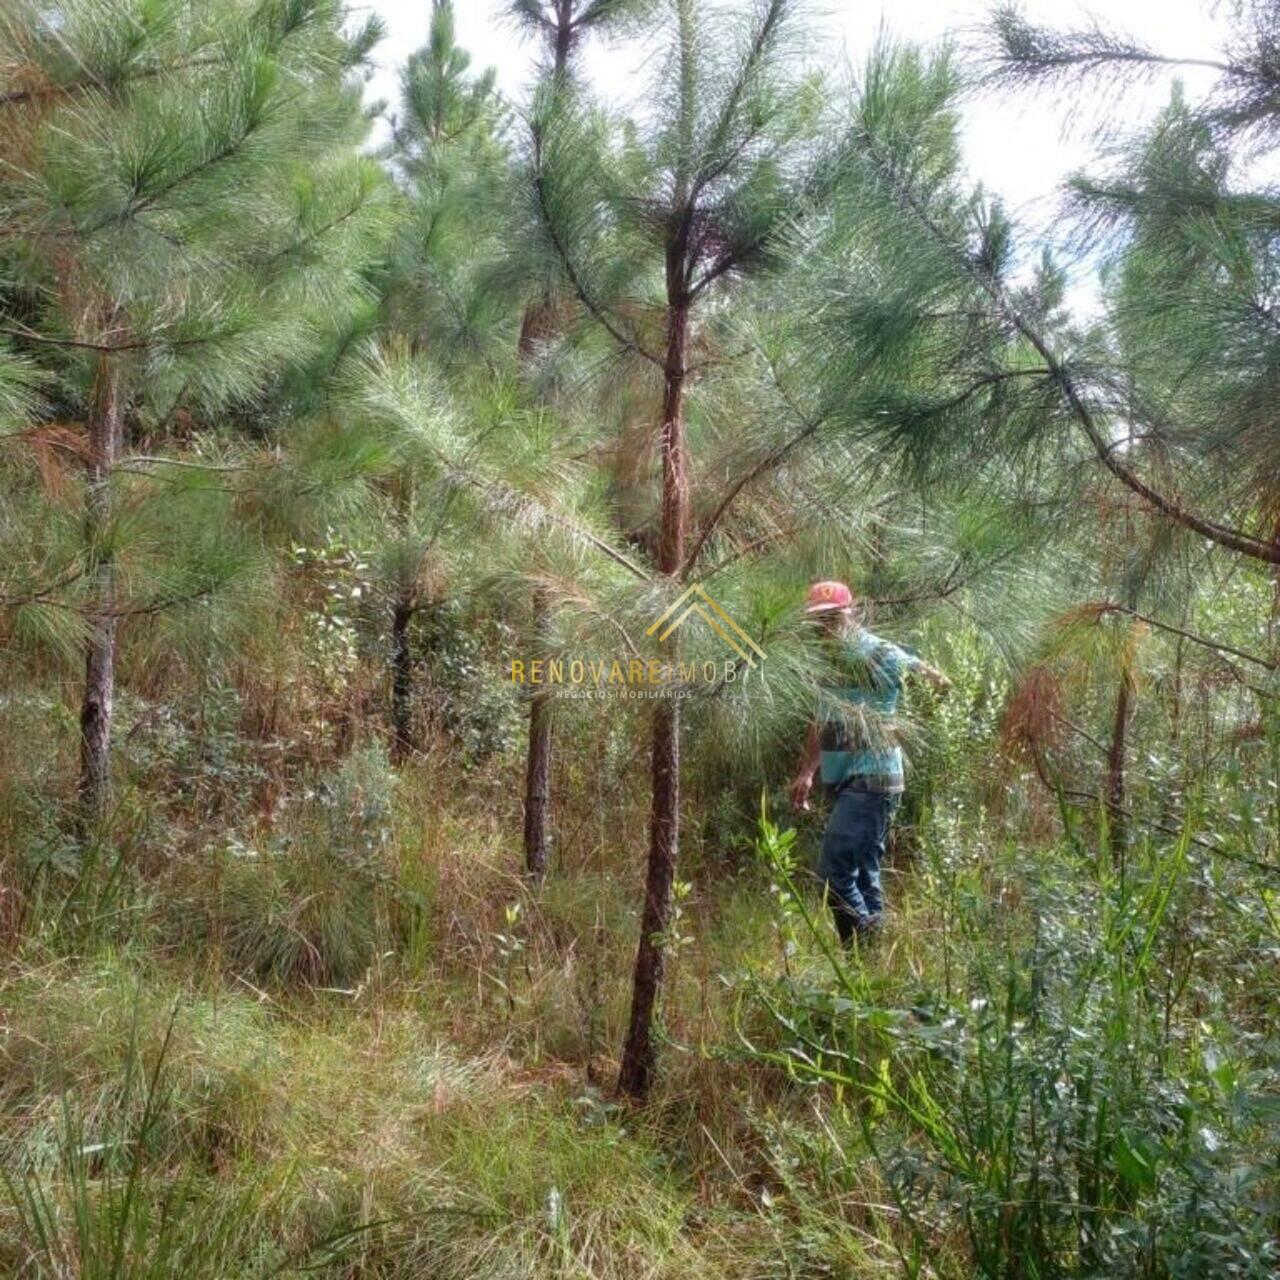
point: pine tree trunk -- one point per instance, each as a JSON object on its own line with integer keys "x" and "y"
{"x": 536, "y": 327}
{"x": 401, "y": 681}
{"x": 636, "y": 1074}
{"x": 1115, "y": 783}
{"x": 537, "y": 792}
{"x": 565, "y": 34}
{"x": 537, "y": 785}
{"x": 96, "y": 709}
{"x": 638, "y": 1058}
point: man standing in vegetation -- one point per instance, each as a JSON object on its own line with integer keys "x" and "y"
{"x": 852, "y": 738}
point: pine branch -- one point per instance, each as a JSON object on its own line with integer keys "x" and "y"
{"x": 1027, "y": 53}
{"x": 727, "y": 261}
{"x": 80, "y": 344}
{"x": 771, "y": 21}
{"x": 756, "y": 544}
{"x": 137, "y": 459}
{"x": 1171, "y": 508}
{"x": 45, "y": 595}
{"x": 316, "y": 234}
{"x": 602, "y": 13}
{"x": 774, "y": 458}
{"x": 1216, "y": 646}
{"x": 135, "y": 344}
{"x": 595, "y": 309}
{"x": 85, "y": 84}
{"x": 167, "y": 602}
{"x": 563, "y": 521}
{"x": 950, "y": 583}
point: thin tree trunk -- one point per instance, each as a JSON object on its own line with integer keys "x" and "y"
{"x": 636, "y": 1074}
{"x": 402, "y": 611}
{"x": 1116, "y": 752}
{"x": 537, "y": 794}
{"x": 536, "y": 327}
{"x": 401, "y": 681}
{"x": 564, "y": 43}
{"x": 1116, "y": 755}
{"x": 97, "y": 706}
{"x": 638, "y": 1059}
{"x": 537, "y": 788}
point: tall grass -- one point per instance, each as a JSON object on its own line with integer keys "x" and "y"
{"x": 1080, "y": 1089}
{"x": 391, "y": 1059}
{"x": 104, "y": 1210}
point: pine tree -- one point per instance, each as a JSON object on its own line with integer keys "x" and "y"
{"x": 647, "y": 240}
{"x": 1189, "y": 241}
{"x": 453, "y": 168}
{"x": 185, "y": 211}
{"x": 562, "y": 26}
{"x": 1190, "y": 236}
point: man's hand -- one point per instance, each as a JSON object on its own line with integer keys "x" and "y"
{"x": 940, "y": 683}
{"x": 800, "y": 790}
{"x": 809, "y": 763}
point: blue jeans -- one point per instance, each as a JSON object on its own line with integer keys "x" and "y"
{"x": 852, "y": 849}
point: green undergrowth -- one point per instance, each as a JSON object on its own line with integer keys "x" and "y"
{"x": 1052, "y": 1062}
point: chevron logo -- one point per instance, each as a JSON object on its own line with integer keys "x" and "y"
{"x": 696, "y": 601}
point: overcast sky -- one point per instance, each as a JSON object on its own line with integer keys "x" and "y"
{"x": 1018, "y": 148}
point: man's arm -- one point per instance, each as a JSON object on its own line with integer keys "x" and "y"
{"x": 912, "y": 665}
{"x": 940, "y": 682}
{"x": 809, "y": 762}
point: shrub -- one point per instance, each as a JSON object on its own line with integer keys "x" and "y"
{"x": 1055, "y": 1100}
{"x": 313, "y": 904}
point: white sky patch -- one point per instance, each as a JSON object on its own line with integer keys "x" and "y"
{"x": 1021, "y": 147}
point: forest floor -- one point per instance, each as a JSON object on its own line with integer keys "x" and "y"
{"x": 403, "y": 1066}
{"x": 446, "y": 1111}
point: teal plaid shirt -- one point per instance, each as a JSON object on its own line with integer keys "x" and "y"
{"x": 856, "y": 713}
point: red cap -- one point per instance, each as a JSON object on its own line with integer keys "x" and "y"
{"x": 825, "y": 596}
